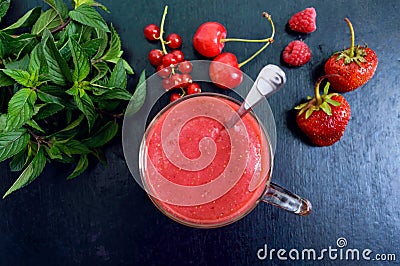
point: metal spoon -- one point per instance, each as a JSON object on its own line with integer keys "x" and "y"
{"x": 270, "y": 80}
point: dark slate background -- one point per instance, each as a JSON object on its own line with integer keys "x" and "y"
{"x": 104, "y": 218}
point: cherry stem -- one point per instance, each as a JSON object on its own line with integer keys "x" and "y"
{"x": 162, "y": 30}
{"x": 268, "y": 40}
{"x": 352, "y": 37}
{"x": 243, "y": 40}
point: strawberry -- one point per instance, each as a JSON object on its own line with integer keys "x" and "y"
{"x": 354, "y": 66}
{"x": 296, "y": 53}
{"x": 324, "y": 117}
{"x": 304, "y": 21}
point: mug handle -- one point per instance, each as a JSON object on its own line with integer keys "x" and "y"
{"x": 284, "y": 199}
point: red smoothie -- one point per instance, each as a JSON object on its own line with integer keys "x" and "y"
{"x": 199, "y": 172}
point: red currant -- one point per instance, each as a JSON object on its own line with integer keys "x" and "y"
{"x": 169, "y": 60}
{"x": 155, "y": 57}
{"x": 176, "y": 80}
{"x": 163, "y": 72}
{"x": 179, "y": 55}
{"x": 151, "y": 32}
{"x": 167, "y": 84}
{"x": 193, "y": 88}
{"x": 174, "y": 41}
{"x": 175, "y": 96}
{"x": 186, "y": 80}
{"x": 185, "y": 67}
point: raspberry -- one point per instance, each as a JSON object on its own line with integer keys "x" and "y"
{"x": 296, "y": 53}
{"x": 304, "y": 21}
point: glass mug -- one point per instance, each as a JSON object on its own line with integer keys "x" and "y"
{"x": 202, "y": 172}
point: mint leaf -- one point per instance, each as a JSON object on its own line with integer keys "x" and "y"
{"x": 23, "y": 44}
{"x": 5, "y": 80}
{"x": 139, "y": 96}
{"x": 81, "y": 62}
{"x": 20, "y": 76}
{"x": 92, "y": 46}
{"x": 101, "y": 34}
{"x": 37, "y": 61}
{"x": 12, "y": 143}
{"x": 54, "y": 153}
{"x": 102, "y": 70}
{"x": 72, "y": 147}
{"x": 22, "y": 64}
{"x": 20, "y": 108}
{"x": 85, "y": 105}
{"x": 82, "y": 165}
{"x": 116, "y": 94}
{"x": 59, "y": 71}
{"x": 90, "y": 3}
{"x": 48, "y": 110}
{"x": 114, "y": 51}
{"x": 73, "y": 125}
{"x": 128, "y": 68}
{"x": 19, "y": 161}
{"x": 4, "y": 5}
{"x": 102, "y": 136}
{"x": 47, "y": 20}
{"x": 118, "y": 78}
{"x": 88, "y": 16}
{"x": 32, "y": 123}
{"x": 3, "y": 120}
{"x": 60, "y": 7}
{"x": 27, "y": 20}
{"x": 31, "y": 172}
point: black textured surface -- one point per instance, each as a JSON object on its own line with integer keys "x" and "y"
{"x": 104, "y": 218}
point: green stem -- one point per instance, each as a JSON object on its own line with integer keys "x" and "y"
{"x": 316, "y": 91}
{"x": 162, "y": 30}
{"x": 352, "y": 37}
{"x": 316, "y": 87}
{"x": 268, "y": 40}
{"x": 243, "y": 40}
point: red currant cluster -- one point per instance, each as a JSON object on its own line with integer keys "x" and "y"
{"x": 171, "y": 66}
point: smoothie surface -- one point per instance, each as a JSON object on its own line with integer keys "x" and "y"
{"x": 200, "y": 172}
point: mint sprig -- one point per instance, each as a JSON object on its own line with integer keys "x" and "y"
{"x": 63, "y": 87}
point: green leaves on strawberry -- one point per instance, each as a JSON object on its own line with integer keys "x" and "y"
{"x": 324, "y": 117}
{"x": 353, "y": 67}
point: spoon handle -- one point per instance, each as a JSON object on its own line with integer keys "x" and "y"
{"x": 270, "y": 79}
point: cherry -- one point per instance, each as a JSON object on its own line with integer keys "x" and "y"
{"x": 174, "y": 41}
{"x": 169, "y": 60}
{"x": 178, "y": 55}
{"x": 207, "y": 39}
{"x": 193, "y": 88}
{"x": 151, "y": 32}
{"x": 224, "y": 71}
{"x": 163, "y": 72}
{"x": 185, "y": 67}
{"x": 175, "y": 96}
{"x": 155, "y": 57}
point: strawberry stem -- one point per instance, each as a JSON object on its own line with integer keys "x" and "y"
{"x": 316, "y": 91}
{"x": 318, "y": 96}
{"x": 162, "y": 30}
{"x": 351, "y": 53}
{"x": 267, "y": 40}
